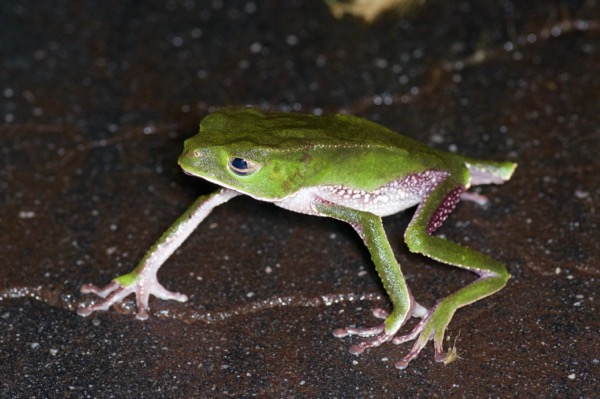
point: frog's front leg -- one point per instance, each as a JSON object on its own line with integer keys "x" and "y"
{"x": 142, "y": 281}
{"x": 370, "y": 229}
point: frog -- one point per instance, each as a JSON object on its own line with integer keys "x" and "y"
{"x": 343, "y": 167}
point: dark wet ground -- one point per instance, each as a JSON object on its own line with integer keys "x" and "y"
{"x": 96, "y": 101}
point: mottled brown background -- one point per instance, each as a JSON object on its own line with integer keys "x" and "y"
{"x": 96, "y": 99}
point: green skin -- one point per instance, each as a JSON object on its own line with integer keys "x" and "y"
{"x": 342, "y": 167}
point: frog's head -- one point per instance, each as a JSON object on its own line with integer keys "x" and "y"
{"x": 245, "y": 150}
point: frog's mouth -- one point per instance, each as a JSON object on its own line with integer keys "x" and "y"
{"x": 223, "y": 184}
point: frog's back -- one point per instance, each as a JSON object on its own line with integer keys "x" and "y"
{"x": 288, "y": 131}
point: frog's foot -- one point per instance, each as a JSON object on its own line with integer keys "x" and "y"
{"x": 126, "y": 285}
{"x": 378, "y": 333}
{"x": 432, "y": 326}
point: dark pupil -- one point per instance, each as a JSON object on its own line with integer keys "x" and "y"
{"x": 239, "y": 163}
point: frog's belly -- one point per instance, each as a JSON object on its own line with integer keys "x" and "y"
{"x": 388, "y": 199}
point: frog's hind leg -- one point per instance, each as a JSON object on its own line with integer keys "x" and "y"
{"x": 419, "y": 237}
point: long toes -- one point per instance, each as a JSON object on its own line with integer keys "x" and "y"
{"x": 360, "y": 331}
{"x": 410, "y": 336}
{"x": 101, "y": 292}
{"x": 162, "y": 293}
{"x": 88, "y": 310}
{"x": 372, "y": 343}
{"x": 116, "y": 296}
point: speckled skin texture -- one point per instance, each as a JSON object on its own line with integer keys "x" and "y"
{"x": 388, "y": 199}
{"x": 97, "y": 100}
{"x": 444, "y": 209}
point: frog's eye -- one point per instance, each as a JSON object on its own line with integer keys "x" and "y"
{"x": 241, "y": 166}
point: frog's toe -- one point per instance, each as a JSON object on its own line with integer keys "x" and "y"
{"x": 376, "y": 341}
{"x": 359, "y": 331}
{"x": 412, "y": 335}
{"x": 377, "y": 333}
{"x": 116, "y": 291}
{"x": 159, "y": 291}
{"x": 101, "y": 292}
